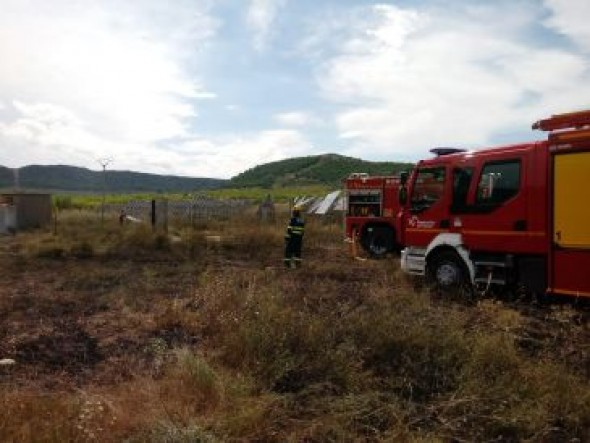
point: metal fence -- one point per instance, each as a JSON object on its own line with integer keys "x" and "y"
{"x": 179, "y": 211}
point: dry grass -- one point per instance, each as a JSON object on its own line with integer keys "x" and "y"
{"x": 201, "y": 335}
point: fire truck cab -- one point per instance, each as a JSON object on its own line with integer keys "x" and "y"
{"x": 512, "y": 215}
{"x": 372, "y": 209}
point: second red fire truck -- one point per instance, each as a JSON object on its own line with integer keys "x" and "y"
{"x": 372, "y": 210}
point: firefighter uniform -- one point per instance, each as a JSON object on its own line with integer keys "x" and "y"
{"x": 294, "y": 240}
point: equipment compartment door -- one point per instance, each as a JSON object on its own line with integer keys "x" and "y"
{"x": 571, "y": 224}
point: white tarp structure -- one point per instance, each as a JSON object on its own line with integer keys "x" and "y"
{"x": 304, "y": 201}
{"x": 314, "y": 205}
{"x": 333, "y": 202}
{"x": 340, "y": 204}
{"x": 327, "y": 203}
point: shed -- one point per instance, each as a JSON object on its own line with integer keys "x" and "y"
{"x": 24, "y": 211}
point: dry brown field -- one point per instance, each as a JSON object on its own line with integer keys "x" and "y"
{"x": 201, "y": 335}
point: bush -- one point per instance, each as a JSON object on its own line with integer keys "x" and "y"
{"x": 197, "y": 376}
{"x": 62, "y": 202}
{"x": 82, "y": 250}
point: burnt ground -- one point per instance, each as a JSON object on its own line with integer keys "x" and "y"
{"x": 76, "y": 322}
{"x": 69, "y": 322}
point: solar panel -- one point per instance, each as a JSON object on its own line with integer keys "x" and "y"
{"x": 327, "y": 203}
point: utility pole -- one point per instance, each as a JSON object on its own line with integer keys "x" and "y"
{"x": 104, "y": 162}
{"x": 15, "y": 172}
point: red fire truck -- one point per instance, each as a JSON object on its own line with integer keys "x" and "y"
{"x": 509, "y": 215}
{"x": 373, "y": 207}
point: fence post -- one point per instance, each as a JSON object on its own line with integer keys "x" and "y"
{"x": 153, "y": 215}
{"x": 165, "y": 214}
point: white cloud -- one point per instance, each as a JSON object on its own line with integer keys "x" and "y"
{"x": 228, "y": 156}
{"x": 86, "y": 78}
{"x": 295, "y": 119}
{"x": 407, "y": 80}
{"x": 570, "y": 18}
{"x": 223, "y": 157}
{"x": 260, "y": 18}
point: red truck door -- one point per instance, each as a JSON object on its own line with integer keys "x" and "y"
{"x": 495, "y": 215}
{"x": 570, "y": 252}
{"x": 429, "y": 207}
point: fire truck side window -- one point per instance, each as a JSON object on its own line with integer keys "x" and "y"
{"x": 428, "y": 188}
{"x": 499, "y": 182}
{"x": 461, "y": 182}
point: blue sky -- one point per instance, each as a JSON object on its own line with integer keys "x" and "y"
{"x": 211, "y": 88}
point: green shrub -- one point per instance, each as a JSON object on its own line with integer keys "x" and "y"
{"x": 62, "y": 202}
{"x": 195, "y": 380}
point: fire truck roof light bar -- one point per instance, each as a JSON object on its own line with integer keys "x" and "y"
{"x": 446, "y": 151}
{"x": 564, "y": 121}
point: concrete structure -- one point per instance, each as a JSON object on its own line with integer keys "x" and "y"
{"x": 24, "y": 211}
{"x": 266, "y": 210}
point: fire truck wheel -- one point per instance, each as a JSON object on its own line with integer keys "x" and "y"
{"x": 447, "y": 271}
{"x": 378, "y": 241}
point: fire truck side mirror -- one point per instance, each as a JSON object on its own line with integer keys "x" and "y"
{"x": 403, "y": 178}
{"x": 403, "y": 195}
{"x": 403, "y": 191}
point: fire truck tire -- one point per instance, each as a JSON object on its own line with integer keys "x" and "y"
{"x": 378, "y": 241}
{"x": 447, "y": 271}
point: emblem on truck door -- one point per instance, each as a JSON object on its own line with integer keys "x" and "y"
{"x": 415, "y": 222}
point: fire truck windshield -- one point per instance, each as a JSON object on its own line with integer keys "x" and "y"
{"x": 428, "y": 188}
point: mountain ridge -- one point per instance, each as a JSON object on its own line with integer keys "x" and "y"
{"x": 324, "y": 169}
{"x": 74, "y": 178}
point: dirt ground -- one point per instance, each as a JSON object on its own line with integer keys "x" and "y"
{"x": 72, "y": 322}
{"x": 102, "y": 321}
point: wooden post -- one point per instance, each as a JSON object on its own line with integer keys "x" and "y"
{"x": 353, "y": 244}
{"x": 153, "y": 215}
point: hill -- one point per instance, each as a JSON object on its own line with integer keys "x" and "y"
{"x": 70, "y": 178}
{"x": 326, "y": 169}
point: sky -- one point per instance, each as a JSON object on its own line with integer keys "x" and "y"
{"x": 210, "y": 88}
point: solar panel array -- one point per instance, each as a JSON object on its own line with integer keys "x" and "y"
{"x": 333, "y": 202}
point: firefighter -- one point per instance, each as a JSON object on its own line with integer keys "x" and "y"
{"x": 294, "y": 239}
